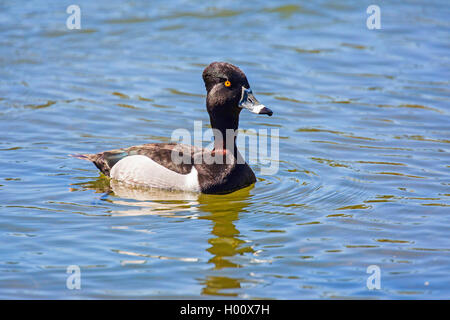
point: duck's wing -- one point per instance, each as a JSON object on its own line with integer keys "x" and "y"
{"x": 164, "y": 154}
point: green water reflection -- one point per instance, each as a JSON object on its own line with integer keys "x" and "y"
{"x": 226, "y": 241}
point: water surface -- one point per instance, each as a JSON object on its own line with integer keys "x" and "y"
{"x": 363, "y": 178}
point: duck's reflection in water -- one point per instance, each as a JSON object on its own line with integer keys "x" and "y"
{"x": 222, "y": 210}
{"x": 226, "y": 242}
{"x": 153, "y": 201}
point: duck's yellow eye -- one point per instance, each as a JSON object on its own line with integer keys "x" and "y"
{"x": 227, "y": 83}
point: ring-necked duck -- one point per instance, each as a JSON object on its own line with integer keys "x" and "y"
{"x": 153, "y": 165}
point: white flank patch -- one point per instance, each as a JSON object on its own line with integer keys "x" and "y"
{"x": 143, "y": 171}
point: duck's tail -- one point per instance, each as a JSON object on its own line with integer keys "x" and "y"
{"x": 88, "y": 157}
{"x": 98, "y": 159}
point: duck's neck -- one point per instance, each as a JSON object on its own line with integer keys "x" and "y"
{"x": 225, "y": 132}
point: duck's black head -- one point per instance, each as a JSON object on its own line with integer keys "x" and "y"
{"x": 228, "y": 93}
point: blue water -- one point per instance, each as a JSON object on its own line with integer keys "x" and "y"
{"x": 363, "y": 179}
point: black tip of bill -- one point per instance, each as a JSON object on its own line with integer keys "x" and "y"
{"x": 265, "y": 110}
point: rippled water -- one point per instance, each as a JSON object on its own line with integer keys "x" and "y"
{"x": 363, "y": 176}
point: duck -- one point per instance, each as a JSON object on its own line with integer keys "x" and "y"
{"x": 182, "y": 167}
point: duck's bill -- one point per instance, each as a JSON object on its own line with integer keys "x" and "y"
{"x": 249, "y": 102}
